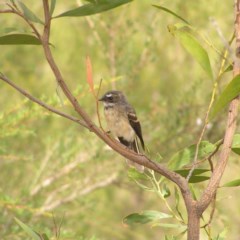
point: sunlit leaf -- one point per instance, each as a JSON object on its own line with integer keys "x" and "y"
{"x": 186, "y": 155}
{"x": 229, "y": 93}
{"x": 27, "y": 229}
{"x": 94, "y": 8}
{"x": 192, "y": 46}
{"x": 52, "y": 6}
{"x": 145, "y": 217}
{"x": 171, "y": 12}
{"x": 29, "y": 14}
{"x": 234, "y": 183}
{"x": 19, "y": 39}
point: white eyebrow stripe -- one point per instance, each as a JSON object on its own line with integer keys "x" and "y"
{"x": 109, "y": 95}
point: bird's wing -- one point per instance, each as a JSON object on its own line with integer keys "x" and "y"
{"x": 135, "y": 124}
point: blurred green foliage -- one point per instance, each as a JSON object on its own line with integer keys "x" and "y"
{"x": 54, "y": 169}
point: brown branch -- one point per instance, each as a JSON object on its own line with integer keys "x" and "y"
{"x": 39, "y": 102}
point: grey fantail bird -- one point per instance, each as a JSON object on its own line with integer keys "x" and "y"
{"x": 122, "y": 122}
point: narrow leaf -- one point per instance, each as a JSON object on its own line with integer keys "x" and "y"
{"x": 52, "y": 6}
{"x": 29, "y": 14}
{"x": 197, "y": 179}
{"x": 192, "y": 46}
{"x": 194, "y": 178}
{"x": 171, "y": 12}
{"x": 229, "y": 93}
{"x": 27, "y": 229}
{"x": 185, "y": 172}
{"x": 234, "y": 183}
{"x": 145, "y": 217}
{"x": 90, "y": 75}
{"x": 94, "y": 8}
{"x": 186, "y": 155}
{"x": 136, "y": 175}
{"x": 19, "y": 39}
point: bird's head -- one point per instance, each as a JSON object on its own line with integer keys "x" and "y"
{"x": 111, "y": 98}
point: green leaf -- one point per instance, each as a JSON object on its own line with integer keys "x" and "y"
{"x": 236, "y": 144}
{"x": 94, "y": 8}
{"x": 19, "y": 39}
{"x": 234, "y": 183}
{"x": 52, "y": 6}
{"x": 194, "y": 178}
{"x": 29, "y": 14}
{"x": 27, "y": 229}
{"x": 145, "y": 217}
{"x": 187, "y": 154}
{"x": 185, "y": 172}
{"x": 171, "y": 12}
{"x": 229, "y": 93}
{"x": 197, "y": 179}
{"x": 192, "y": 45}
{"x": 135, "y": 175}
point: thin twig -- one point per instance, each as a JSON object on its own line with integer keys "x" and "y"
{"x": 39, "y": 102}
{"x": 20, "y": 14}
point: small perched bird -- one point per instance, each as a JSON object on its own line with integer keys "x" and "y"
{"x": 122, "y": 122}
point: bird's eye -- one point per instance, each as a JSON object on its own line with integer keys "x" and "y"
{"x": 110, "y": 98}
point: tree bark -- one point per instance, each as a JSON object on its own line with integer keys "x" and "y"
{"x": 193, "y": 232}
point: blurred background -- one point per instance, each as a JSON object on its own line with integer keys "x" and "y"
{"x": 54, "y": 172}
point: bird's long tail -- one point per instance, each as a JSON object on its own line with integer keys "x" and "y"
{"x": 135, "y": 147}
